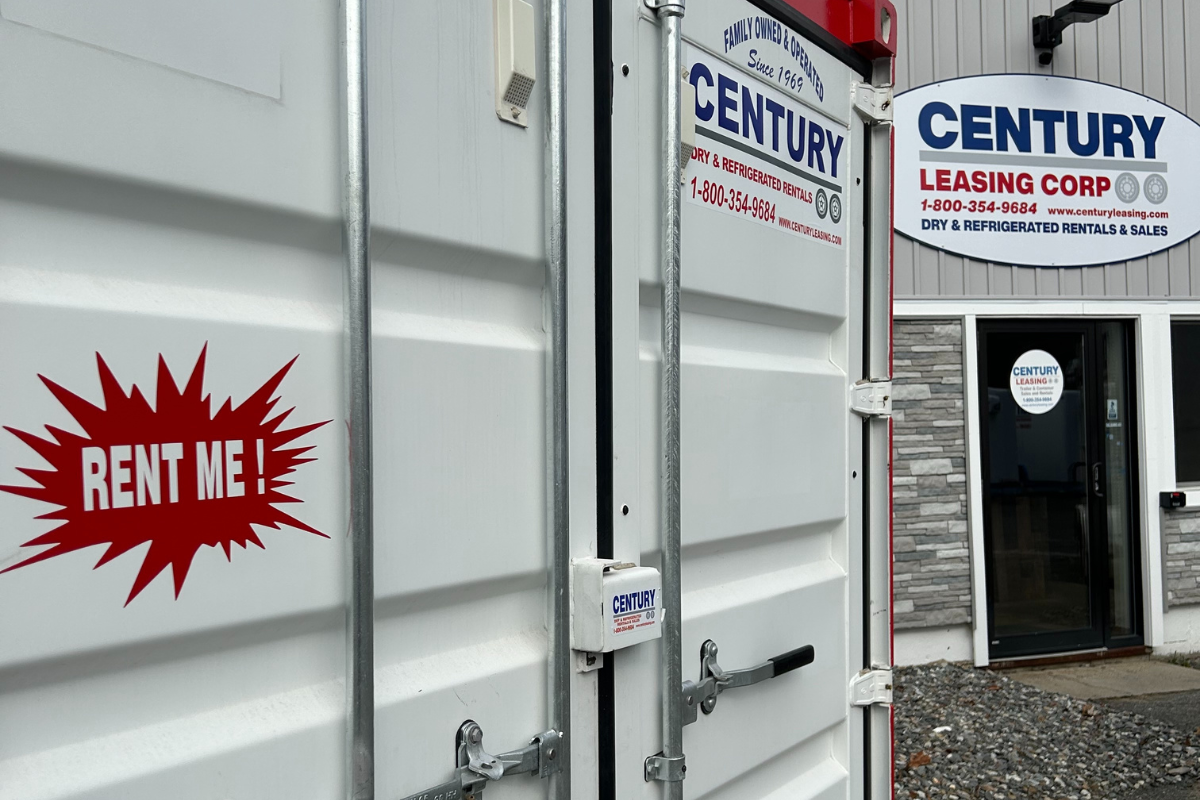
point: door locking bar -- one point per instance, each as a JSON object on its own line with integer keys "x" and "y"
{"x": 476, "y": 767}
{"x": 702, "y": 695}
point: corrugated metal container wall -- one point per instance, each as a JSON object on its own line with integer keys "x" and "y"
{"x": 169, "y": 186}
{"x": 1139, "y": 47}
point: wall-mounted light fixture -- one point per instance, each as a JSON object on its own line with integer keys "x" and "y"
{"x": 1048, "y": 31}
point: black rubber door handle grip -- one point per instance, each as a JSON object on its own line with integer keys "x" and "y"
{"x": 793, "y": 659}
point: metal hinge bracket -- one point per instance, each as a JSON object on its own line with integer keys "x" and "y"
{"x": 476, "y": 767}
{"x": 872, "y": 398}
{"x": 873, "y": 103}
{"x": 661, "y": 768}
{"x": 872, "y": 687}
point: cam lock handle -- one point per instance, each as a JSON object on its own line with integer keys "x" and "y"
{"x": 477, "y": 767}
{"x": 702, "y": 695}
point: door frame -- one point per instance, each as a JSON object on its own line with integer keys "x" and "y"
{"x": 1098, "y": 636}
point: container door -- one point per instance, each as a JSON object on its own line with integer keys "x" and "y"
{"x": 172, "y": 471}
{"x": 774, "y": 477}
{"x": 461, "y": 354}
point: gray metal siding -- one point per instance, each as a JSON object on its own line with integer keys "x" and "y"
{"x": 1139, "y": 46}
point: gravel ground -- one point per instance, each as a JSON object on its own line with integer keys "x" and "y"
{"x": 1178, "y": 709}
{"x": 965, "y": 733}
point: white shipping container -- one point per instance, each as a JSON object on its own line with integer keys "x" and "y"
{"x": 285, "y": 517}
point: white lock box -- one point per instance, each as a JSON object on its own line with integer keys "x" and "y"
{"x": 613, "y": 604}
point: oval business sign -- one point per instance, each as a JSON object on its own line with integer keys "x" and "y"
{"x": 1041, "y": 171}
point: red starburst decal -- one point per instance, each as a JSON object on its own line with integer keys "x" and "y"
{"x": 175, "y": 475}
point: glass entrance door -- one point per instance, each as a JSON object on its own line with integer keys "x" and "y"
{"x": 1058, "y": 465}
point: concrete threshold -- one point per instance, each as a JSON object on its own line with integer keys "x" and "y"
{"x": 1127, "y": 677}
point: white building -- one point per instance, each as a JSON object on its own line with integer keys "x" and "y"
{"x": 1030, "y": 533}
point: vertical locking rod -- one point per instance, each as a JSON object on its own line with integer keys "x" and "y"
{"x": 556, "y": 285}
{"x": 876, "y": 478}
{"x": 356, "y": 236}
{"x": 670, "y": 15}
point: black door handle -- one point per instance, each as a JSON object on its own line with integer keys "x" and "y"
{"x": 1097, "y": 486}
{"x": 793, "y": 659}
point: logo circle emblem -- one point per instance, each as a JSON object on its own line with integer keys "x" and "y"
{"x": 1127, "y": 187}
{"x": 1156, "y": 188}
{"x": 1036, "y": 381}
{"x": 822, "y": 203}
{"x": 835, "y": 208}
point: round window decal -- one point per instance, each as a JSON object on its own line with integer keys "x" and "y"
{"x": 1036, "y": 381}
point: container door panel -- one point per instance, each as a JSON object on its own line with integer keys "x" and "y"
{"x": 772, "y": 266}
{"x": 170, "y": 189}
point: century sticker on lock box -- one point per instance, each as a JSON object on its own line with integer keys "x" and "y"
{"x": 629, "y": 611}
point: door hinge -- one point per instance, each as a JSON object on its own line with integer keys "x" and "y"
{"x": 872, "y": 687}
{"x": 872, "y": 398}
{"x": 476, "y": 767}
{"x": 873, "y": 103}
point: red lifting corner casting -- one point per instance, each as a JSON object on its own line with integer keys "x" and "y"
{"x": 869, "y": 26}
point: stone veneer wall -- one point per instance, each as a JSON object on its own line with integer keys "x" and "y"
{"x": 932, "y": 565}
{"x": 1181, "y": 536}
